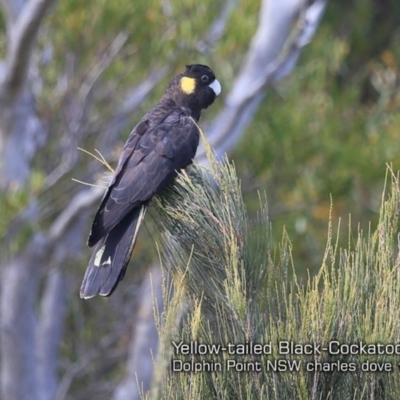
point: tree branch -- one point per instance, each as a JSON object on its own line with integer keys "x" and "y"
{"x": 272, "y": 55}
{"x": 21, "y": 131}
{"x": 133, "y": 99}
{"x": 23, "y": 35}
{"x": 12, "y": 9}
{"x": 217, "y": 28}
{"x": 84, "y": 93}
{"x": 80, "y": 202}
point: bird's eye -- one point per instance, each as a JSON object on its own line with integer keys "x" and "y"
{"x": 205, "y": 78}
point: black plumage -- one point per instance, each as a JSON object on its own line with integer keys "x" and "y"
{"x": 164, "y": 142}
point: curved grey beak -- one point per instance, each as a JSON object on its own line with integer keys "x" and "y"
{"x": 216, "y": 86}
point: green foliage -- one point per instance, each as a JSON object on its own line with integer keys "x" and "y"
{"x": 237, "y": 296}
{"x": 328, "y": 131}
{"x": 217, "y": 237}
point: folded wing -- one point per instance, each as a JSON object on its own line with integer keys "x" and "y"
{"x": 149, "y": 161}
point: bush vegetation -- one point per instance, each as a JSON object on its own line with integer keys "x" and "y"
{"x": 236, "y": 290}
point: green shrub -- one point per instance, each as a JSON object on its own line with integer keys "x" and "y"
{"x": 230, "y": 288}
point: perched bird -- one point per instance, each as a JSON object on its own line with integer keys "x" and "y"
{"x": 164, "y": 142}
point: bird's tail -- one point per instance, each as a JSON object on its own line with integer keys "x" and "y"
{"x": 111, "y": 256}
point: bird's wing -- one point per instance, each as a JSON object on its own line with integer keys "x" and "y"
{"x": 147, "y": 164}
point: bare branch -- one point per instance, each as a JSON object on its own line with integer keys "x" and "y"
{"x": 81, "y": 201}
{"x": 12, "y": 9}
{"x": 96, "y": 72}
{"x": 22, "y": 38}
{"x": 273, "y": 54}
{"x": 129, "y": 105}
{"x": 136, "y": 96}
{"x": 21, "y": 131}
{"x": 217, "y": 28}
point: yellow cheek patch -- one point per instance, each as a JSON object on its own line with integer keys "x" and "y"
{"x": 188, "y": 85}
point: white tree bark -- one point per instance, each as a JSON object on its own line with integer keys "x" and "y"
{"x": 21, "y": 132}
{"x": 284, "y": 28}
{"x": 22, "y": 36}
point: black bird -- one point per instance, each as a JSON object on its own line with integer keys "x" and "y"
{"x": 164, "y": 142}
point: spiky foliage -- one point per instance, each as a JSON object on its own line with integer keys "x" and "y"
{"x": 236, "y": 291}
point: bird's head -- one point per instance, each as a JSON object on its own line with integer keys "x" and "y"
{"x": 196, "y": 88}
